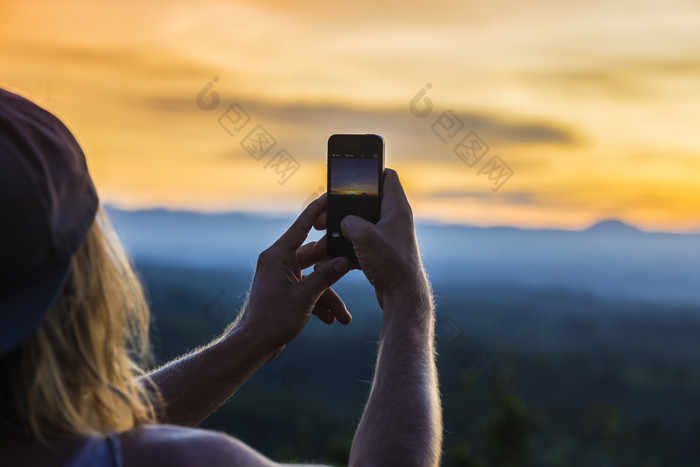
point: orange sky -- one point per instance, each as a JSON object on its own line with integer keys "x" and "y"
{"x": 593, "y": 105}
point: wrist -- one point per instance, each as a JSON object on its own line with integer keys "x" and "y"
{"x": 410, "y": 305}
{"x": 243, "y": 338}
{"x": 409, "y": 291}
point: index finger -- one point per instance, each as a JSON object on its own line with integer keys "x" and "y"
{"x": 393, "y": 195}
{"x": 299, "y": 230}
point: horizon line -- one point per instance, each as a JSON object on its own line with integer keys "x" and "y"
{"x": 622, "y": 224}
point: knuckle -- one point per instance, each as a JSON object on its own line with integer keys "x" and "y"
{"x": 406, "y": 211}
{"x": 296, "y": 225}
{"x": 325, "y": 277}
{"x": 403, "y": 218}
{"x": 264, "y": 256}
{"x": 297, "y": 228}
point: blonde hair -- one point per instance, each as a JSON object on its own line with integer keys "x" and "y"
{"x": 77, "y": 373}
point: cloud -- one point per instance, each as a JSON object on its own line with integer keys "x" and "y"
{"x": 115, "y": 62}
{"x": 630, "y": 79}
{"x": 521, "y": 198}
{"x": 305, "y": 117}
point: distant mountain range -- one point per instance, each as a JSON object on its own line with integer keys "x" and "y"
{"x": 610, "y": 259}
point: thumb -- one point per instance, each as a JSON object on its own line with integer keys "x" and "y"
{"x": 326, "y": 274}
{"x": 356, "y": 229}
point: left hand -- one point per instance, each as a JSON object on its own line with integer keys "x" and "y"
{"x": 281, "y": 298}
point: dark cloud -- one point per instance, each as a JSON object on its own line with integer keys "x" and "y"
{"x": 334, "y": 118}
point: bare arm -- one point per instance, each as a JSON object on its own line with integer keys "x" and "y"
{"x": 279, "y": 305}
{"x": 402, "y": 422}
{"x": 195, "y": 385}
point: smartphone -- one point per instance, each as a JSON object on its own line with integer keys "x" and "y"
{"x": 355, "y": 170}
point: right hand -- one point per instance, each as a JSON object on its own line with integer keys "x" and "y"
{"x": 387, "y": 252}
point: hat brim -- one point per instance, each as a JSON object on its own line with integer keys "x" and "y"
{"x": 22, "y": 312}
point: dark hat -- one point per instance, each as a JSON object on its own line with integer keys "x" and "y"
{"x": 47, "y": 205}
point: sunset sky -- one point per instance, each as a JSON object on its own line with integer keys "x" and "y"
{"x": 595, "y": 106}
{"x": 354, "y": 176}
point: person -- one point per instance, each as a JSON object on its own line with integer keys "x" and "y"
{"x": 74, "y": 325}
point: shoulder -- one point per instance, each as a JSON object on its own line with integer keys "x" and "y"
{"x": 184, "y": 447}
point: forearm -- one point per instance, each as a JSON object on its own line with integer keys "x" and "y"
{"x": 402, "y": 422}
{"x": 194, "y": 386}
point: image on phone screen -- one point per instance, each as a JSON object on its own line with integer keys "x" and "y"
{"x": 355, "y": 167}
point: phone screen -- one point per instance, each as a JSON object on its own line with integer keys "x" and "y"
{"x": 355, "y": 168}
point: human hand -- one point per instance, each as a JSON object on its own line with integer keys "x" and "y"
{"x": 387, "y": 252}
{"x": 281, "y": 298}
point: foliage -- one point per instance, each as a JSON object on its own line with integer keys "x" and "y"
{"x": 591, "y": 382}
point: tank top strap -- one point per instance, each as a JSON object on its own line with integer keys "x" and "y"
{"x": 97, "y": 451}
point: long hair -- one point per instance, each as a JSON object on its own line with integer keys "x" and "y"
{"x": 77, "y": 374}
